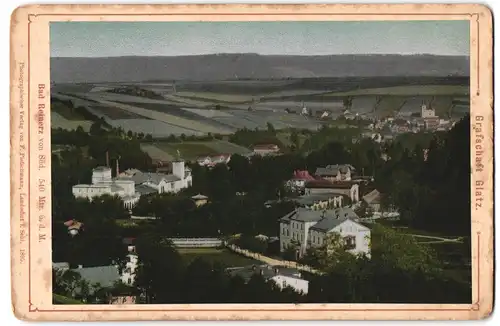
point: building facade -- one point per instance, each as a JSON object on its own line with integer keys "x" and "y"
{"x": 304, "y": 228}
{"x": 104, "y": 184}
{"x": 132, "y": 183}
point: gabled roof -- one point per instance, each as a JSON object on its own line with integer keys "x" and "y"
{"x": 152, "y": 177}
{"x": 335, "y": 218}
{"x": 302, "y": 175}
{"x": 332, "y": 170}
{"x": 372, "y": 197}
{"x": 267, "y": 271}
{"x": 199, "y": 197}
{"x": 266, "y": 147}
{"x": 101, "y": 169}
{"x": 145, "y": 189}
{"x": 303, "y": 215}
{"x": 104, "y": 275}
{"x": 312, "y": 199}
{"x": 330, "y": 184}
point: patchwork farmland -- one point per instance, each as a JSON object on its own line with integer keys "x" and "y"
{"x": 222, "y": 107}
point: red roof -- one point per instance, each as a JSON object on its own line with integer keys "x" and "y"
{"x": 302, "y": 175}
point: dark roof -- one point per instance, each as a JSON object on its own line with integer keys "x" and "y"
{"x": 330, "y": 170}
{"x": 334, "y": 218}
{"x": 145, "y": 190}
{"x": 330, "y": 184}
{"x": 142, "y": 177}
{"x": 266, "y": 146}
{"x": 372, "y": 197}
{"x": 101, "y": 168}
{"x": 267, "y": 271}
{"x": 311, "y": 199}
{"x": 128, "y": 241}
{"x": 302, "y": 215}
{"x": 106, "y": 276}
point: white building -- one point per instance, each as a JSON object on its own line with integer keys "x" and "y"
{"x": 282, "y": 276}
{"x": 298, "y": 284}
{"x": 427, "y": 112}
{"x": 309, "y": 228}
{"x": 147, "y": 182}
{"x": 131, "y": 184}
{"x": 104, "y": 184}
{"x": 127, "y": 275}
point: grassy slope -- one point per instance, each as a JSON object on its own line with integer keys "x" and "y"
{"x": 59, "y": 299}
{"x": 214, "y": 255}
{"x": 192, "y": 150}
{"x": 66, "y": 112}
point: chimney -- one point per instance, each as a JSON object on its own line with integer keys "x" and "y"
{"x": 107, "y": 159}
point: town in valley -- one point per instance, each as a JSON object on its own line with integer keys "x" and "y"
{"x": 255, "y": 178}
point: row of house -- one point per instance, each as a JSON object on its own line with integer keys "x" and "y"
{"x": 323, "y": 208}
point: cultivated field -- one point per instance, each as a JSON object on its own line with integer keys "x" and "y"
{"x": 252, "y": 104}
{"x": 58, "y": 121}
{"x": 192, "y": 150}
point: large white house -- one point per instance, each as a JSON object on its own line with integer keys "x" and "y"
{"x": 131, "y": 184}
{"x": 104, "y": 184}
{"x": 309, "y": 228}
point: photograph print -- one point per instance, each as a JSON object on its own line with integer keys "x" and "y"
{"x": 260, "y": 162}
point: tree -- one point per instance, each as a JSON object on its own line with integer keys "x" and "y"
{"x": 294, "y": 139}
{"x": 270, "y": 128}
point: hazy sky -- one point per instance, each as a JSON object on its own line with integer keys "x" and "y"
{"x": 102, "y": 39}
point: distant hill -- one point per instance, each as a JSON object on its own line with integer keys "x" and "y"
{"x": 252, "y": 66}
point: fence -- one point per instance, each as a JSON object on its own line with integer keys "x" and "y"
{"x": 272, "y": 261}
{"x": 196, "y": 242}
{"x": 143, "y": 217}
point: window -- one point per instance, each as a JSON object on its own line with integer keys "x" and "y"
{"x": 129, "y": 281}
{"x": 350, "y": 242}
{"x": 314, "y": 239}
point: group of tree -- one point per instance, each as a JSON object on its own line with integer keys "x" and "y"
{"x": 432, "y": 190}
{"x": 398, "y": 270}
{"x": 164, "y": 278}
